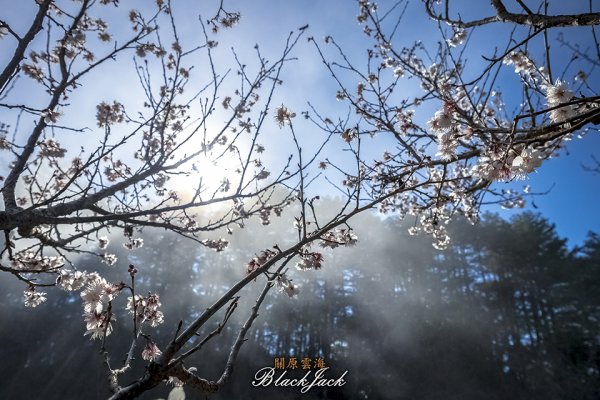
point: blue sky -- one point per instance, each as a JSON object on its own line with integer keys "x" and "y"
{"x": 573, "y": 193}
{"x": 571, "y": 203}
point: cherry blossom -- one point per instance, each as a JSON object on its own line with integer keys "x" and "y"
{"x": 98, "y": 323}
{"x": 151, "y": 352}
{"x": 34, "y": 298}
{"x": 286, "y": 286}
{"x": 98, "y": 293}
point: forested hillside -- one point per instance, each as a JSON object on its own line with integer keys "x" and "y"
{"x": 507, "y": 311}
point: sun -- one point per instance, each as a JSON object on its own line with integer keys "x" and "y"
{"x": 211, "y": 174}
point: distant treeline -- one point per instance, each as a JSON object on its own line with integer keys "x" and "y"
{"x": 507, "y": 312}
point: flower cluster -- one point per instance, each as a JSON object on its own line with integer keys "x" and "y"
{"x": 520, "y": 60}
{"x": 283, "y": 115}
{"x": 4, "y": 143}
{"x": 51, "y": 116}
{"x": 339, "y": 237}
{"x": 98, "y": 293}
{"x": 33, "y": 298}
{"x": 309, "y": 260}
{"x": 460, "y": 35}
{"x": 71, "y": 280}
{"x": 526, "y": 162}
{"x": 98, "y": 324}
{"x": 146, "y": 309}
{"x": 74, "y": 43}
{"x": 286, "y": 286}
{"x": 442, "y": 124}
{"x": 151, "y": 351}
{"x": 30, "y": 261}
{"x": 238, "y": 209}
{"x": 558, "y": 94}
{"x": 109, "y": 114}
{"x": 33, "y": 71}
{"x": 492, "y": 165}
{"x": 187, "y": 222}
{"x": 503, "y": 165}
{"x": 349, "y": 135}
{"x": 434, "y": 224}
{"x": 478, "y": 138}
{"x": 109, "y": 259}
{"x": 442, "y": 240}
{"x": 155, "y": 144}
{"x": 216, "y": 244}
{"x": 263, "y": 174}
{"x": 97, "y": 297}
{"x": 103, "y": 242}
{"x": 134, "y": 243}
{"x": 230, "y": 19}
{"x": 398, "y": 72}
{"x": 265, "y": 216}
{"x": 144, "y": 48}
{"x": 51, "y": 148}
{"x": 117, "y": 169}
{"x": 259, "y": 260}
{"x": 265, "y": 213}
{"x": 513, "y": 200}
{"x": 160, "y": 180}
{"x": 225, "y": 185}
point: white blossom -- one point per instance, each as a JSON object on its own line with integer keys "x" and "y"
{"x": 259, "y": 260}
{"x": 309, "y": 260}
{"x": 458, "y": 38}
{"x": 286, "y": 286}
{"x": 414, "y": 230}
{"x": 217, "y": 245}
{"x": 134, "y": 243}
{"x": 283, "y": 115}
{"x": 447, "y": 145}
{"x": 50, "y": 147}
{"x": 98, "y": 292}
{"x": 33, "y": 262}
{"x": 442, "y": 240}
{"x": 33, "y": 71}
{"x": 146, "y": 309}
{"x": 558, "y": 93}
{"x": 51, "y": 116}
{"x": 520, "y": 60}
{"x": 562, "y": 114}
{"x": 441, "y": 121}
{"x": 151, "y": 351}
{"x": 155, "y": 317}
{"x": 526, "y": 162}
{"x": 4, "y": 143}
{"x": 98, "y": 324}
{"x": 339, "y": 237}
{"x": 33, "y": 298}
{"x": 109, "y": 114}
{"x": 103, "y": 242}
{"x": 72, "y": 280}
{"x": 398, "y": 72}
{"x": 109, "y": 259}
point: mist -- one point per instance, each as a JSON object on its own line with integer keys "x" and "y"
{"x": 507, "y": 311}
